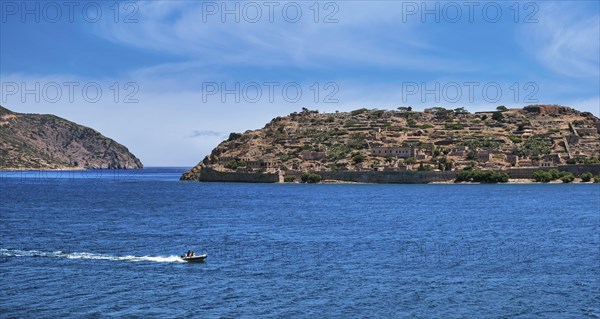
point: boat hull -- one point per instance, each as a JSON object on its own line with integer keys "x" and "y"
{"x": 194, "y": 259}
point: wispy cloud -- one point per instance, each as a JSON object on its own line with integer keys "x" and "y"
{"x": 565, "y": 39}
{"x": 208, "y": 133}
{"x": 178, "y": 28}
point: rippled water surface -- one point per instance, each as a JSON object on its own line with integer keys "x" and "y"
{"x": 107, "y": 244}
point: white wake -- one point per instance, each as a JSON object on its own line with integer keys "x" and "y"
{"x": 84, "y": 255}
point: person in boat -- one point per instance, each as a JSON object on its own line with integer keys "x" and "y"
{"x": 188, "y": 254}
{"x": 193, "y": 254}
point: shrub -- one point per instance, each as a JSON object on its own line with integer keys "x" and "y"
{"x": 593, "y": 160}
{"x": 498, "y": 116}
{"x": 534, "y": 146}
{"x": 551, "y": 175}
{"x": 359, "y": 111}
{"x": 358, "y": 158}
{"x": 489, "y": 177}
{"x": 515, "y": 139}
{"x": 556, "y": 174}
{"x": 597, "y": 179}
{"x": 289, "y": 179}
{"x": 454, "y": 126}
{"x": 542, "y": 177}
{"x": 472, "y": 156}
{"x": 410, "y": 161}
{"x": 233, "y": 164}
{"x": 481, "y": 143}
{"x": 311, "y": 178}
{"x": 567, "y": 178}
{"x": 286, "y": 157}
{"x": 377, "y": 113}
{"x": 350, "y": 123}
{"x": 586, "y": 177}
{"x": 425, "y": 168}
{"x": 357, "y": 144}
{"x": 501, "y": 108}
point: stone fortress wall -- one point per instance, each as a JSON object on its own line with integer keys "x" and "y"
{"x": 390, "y": 177}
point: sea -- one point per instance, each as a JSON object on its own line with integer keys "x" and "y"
{"x": 106, "y": 244}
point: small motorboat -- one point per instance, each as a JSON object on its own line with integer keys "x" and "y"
{"x": 194, "y": 258}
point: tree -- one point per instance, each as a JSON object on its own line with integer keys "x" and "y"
{"x": 289, "y": 179}
{"x": 567, "y": 178}
{"x": 448, "y": 166}
{"x": 556, "y": 174}
{"x": 501, "y": 108}
{"x": 542, "y": 177}
{"x": 489, "y": 177}
{"x": 551, "y": 175}
{"x": 497, "y": 116}
{"x": 597, "y": 179}
{"x": 310, "y": 178}
{"x": 586, "y": 177}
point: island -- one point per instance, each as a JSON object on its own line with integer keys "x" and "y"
{"x": 43, "y": 142}
{"x": 405, "y": 146}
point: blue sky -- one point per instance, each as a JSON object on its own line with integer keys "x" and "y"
{"x": 173, "y": 62}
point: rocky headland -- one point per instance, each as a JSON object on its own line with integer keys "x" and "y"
{"x": 42, "y": 141}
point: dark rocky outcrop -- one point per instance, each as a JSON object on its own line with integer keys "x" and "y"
{"x": 41, "y": 141}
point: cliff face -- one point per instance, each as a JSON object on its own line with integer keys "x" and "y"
{"x": 40, "y": 141}
{"x": 436, "y": 139}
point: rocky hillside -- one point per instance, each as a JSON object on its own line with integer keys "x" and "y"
{"x": 435, "y": 139}
{"x": 40, "y": 141}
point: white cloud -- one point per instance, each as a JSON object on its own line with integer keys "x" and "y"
{"x": 367, "y": 33}
{"x": 565, "y": 39}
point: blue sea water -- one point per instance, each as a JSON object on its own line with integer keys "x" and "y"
{"x": 105, "y": 244}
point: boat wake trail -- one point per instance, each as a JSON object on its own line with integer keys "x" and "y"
{"x": 83, "y": 255}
